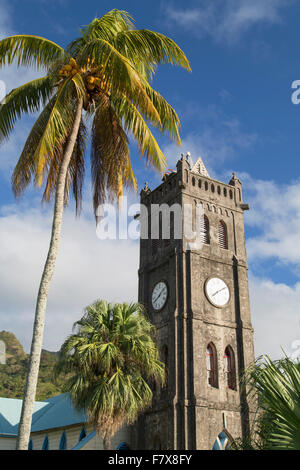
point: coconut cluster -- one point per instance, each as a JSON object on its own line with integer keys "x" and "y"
{"x": 96, "y": 80}
{"x": 69, "y": 69}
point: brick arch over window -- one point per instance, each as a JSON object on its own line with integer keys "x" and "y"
{"x": 204, "y": 230}
{"x": 229, "y": 365}
{"x": 222, "y": 234}
{"x": 212, "y": 365}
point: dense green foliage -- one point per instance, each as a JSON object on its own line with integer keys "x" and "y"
{"x": 13, "y": 373}
{"x": 275, "y": 388}
{"x": 111, "y": 358}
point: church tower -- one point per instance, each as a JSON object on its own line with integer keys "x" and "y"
{"x": 198, "y": 300}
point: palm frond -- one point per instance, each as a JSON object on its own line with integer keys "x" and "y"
{"x": 109, "y": 358}
{"x": 122, "y": 76}
{"x": 109, "y": 153}
{"x": 108, "y": 26}
{"x": 170, "y": 123}
{"x": 30, "y": 50}
{"x": 277, "y": 385}
{"x": 135, "y": 123}
{"x": 57, "y": 128}
{"x": 151, "y": 47}
{"x": 76, "y": 170}
{"x": 25, "y": 169}
{"x": 45, "y": 142}
{"x": 27, "y": 98}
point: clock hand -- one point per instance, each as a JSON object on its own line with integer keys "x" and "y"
{"x": 157, "y": 297}
{"x": 218, "y": 291}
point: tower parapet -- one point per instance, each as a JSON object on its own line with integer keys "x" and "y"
{"x": 199, "y": 185}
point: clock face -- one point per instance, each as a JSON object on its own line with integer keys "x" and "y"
{"x": 217, "y": 291}
{"x": 159, "y": 295}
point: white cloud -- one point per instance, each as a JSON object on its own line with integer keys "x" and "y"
{"x": 226, "y": 20}
{"x": 275, "y": 309}
{"x": 87, "y": 268}
{"x": 275, "y": 214}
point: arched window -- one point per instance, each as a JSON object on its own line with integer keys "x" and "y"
{"x": 229, "y": 365}
{"x": 193, "y": 181}
{"x": 82, "y": 434}
{"x": 63, "y": 442}
{"x": 204, "y": 230}
{"x": 45, "y": 445}
{"x": 166, "y": 362}
{"x": 222, "y": 232}
{"x": 30, "y": 445}
{"x": 211, "y": 365}
{"x": 222, "y": 442}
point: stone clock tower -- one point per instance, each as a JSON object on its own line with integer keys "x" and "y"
{"x": 197, "y": 297}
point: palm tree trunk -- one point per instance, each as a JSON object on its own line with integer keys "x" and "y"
{"x": 106, "y": 442}
{"x": 38, "y": 328}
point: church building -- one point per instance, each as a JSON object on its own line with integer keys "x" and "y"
{"x": 197, "y": 297}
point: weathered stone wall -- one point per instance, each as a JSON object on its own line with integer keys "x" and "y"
{"x": 189, "y": 414}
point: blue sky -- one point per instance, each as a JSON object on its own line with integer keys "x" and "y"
{"x": 236, "y": 112}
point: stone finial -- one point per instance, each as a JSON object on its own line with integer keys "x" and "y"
{"x": 146, "y": 188}
{"x": 234, "y": 179}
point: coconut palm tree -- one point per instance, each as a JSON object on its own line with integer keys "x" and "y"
{"x": 103, "y": 76}
{"x": 275, "y": 387}
{"x": 109, "y": 359}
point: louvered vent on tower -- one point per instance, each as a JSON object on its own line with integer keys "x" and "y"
{"x": 223, "y": 235}
{"x": 204, "y": 230}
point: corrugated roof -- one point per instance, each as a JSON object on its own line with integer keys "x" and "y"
{"x": 52, "y": 413}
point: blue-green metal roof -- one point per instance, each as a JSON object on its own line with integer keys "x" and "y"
{"x": 52, "y": 413}
{"x": 84, "y": 441}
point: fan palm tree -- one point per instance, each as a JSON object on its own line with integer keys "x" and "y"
{"x": 275, "y": 386}
{"x": 104, "y": 75}
{"x": 109, "y": 360}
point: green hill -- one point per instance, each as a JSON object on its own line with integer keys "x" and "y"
{"x": 13, "y": 373}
